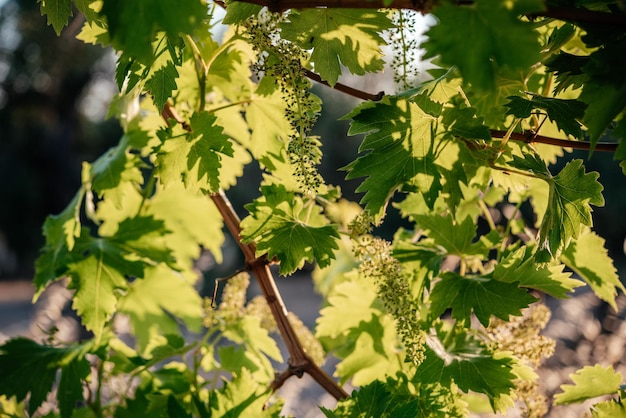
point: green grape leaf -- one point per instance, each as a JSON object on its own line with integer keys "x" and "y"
{"x": 511, "y": 43}
{"x": 455, "y": 237}
{"x": 96, "y": 277}
{"x": 145, "y": 237}
{"x": 162, "y": 83}
{"x": 248, "y": 331}
{"x": 347, "y": 35}
{"x": 266, "y": 115}
{"x": 454, "y": 355}
{"x": 208, "y": 142}
{"x": 100, "y": 266}
{"x": 282, "y": 227}
{"x": 367, "y": 351}
{"x": 572, "y": 192}
{"x": 71, "y": 385}
{"x": 58, "y": 12}
{"x": 133, "y": 25}
{"x": 194, "y": 157}
{"x": 399, "y": 150}
{"x": 609, "y": 409}
{"x": 568, "y": 70}
{"x": 589, "y": 259}
{"x": 376, "y": 399}
{"x": 463, "y": 122}
{"x": 485, "y": 297}
{"x": 94, "y": 33}
{"x": 175, "y": 409}
{"x": 111, "y": 170}
{"x": 154, "y": 302}
{"x": 606, "y": 102}
{"x": 28, "y": 367}
{"x": 566, "y": 113}
{"x": 242, "y": 396}
{"x": 192, "y": 221}
{"x": 61, "y": 232}
{"x": 352, "y": 302}
{"x": 605, "y": 91}
{"x": 519, "y": 266}
{"x": 238, "y": 11}
{"x": 589, "y": 382}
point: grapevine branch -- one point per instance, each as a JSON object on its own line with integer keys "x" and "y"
{"x": 528, "y": 137}
{"x": 351, "y": 91}
{"x": 299, "y": 361}
{"x": 531, "y": 138}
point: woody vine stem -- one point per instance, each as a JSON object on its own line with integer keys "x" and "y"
{"x": 299, "y": 361}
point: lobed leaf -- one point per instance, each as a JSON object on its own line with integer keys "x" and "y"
{"x": 588, "y": 257}
{"x": 482, "y": 296}
{"x": 155, "y": 303}
{"x": 28, "y": 367}
{"x": 58, "y": 12}
{"x": 456, "y": 356}
{"x": 519, "y": 266}
{"x": 278, "y": 224}
{"x": 589, "y": 382}
{"x": 349, "y": 36}
{"x": 566, "y": 113}
{"x": 511, "y": 43}
{"x": 399, "y": 150}
{"x": 572, "y": 192}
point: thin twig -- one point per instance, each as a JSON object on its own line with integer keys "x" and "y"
{"x": 530, "y": 138}
{"x": 359, "y": 94}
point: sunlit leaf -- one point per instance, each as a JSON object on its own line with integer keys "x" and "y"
{"x": 588, "y": 257}
{"x": 589, "y": 382}
{"x": 572, "y": 192}
{"x": 347, "y": 36}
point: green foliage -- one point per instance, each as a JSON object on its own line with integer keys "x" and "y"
{"x": 349, "y": 37}
{"x": 589, "y": 382}
{"x": 284, "y": 227}
{"x": 444, "y": 312}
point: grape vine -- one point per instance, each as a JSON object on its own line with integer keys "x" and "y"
{"x": 442, "y": 319}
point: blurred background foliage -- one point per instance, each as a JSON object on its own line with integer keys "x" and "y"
{"x": 54, "y": 93}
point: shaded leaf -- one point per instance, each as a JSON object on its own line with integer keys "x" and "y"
{"x": 133, "y": 25}
{"x": 58, "y": 12}
{"x": 511, "y": 42}
{"x": 398, "y": 148}
{"x": 61, "y": 232}
{"x": 566, "y": 113}
{"x": 28, "y": 367}
{"x": 455, "y": 237}
{"x": 455, "y": 356}
{"x": 278, "y": 224}
{"x": 519, "y": 266}
{"x": 162, "y": 83}
{"x": 485, "y": 297}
